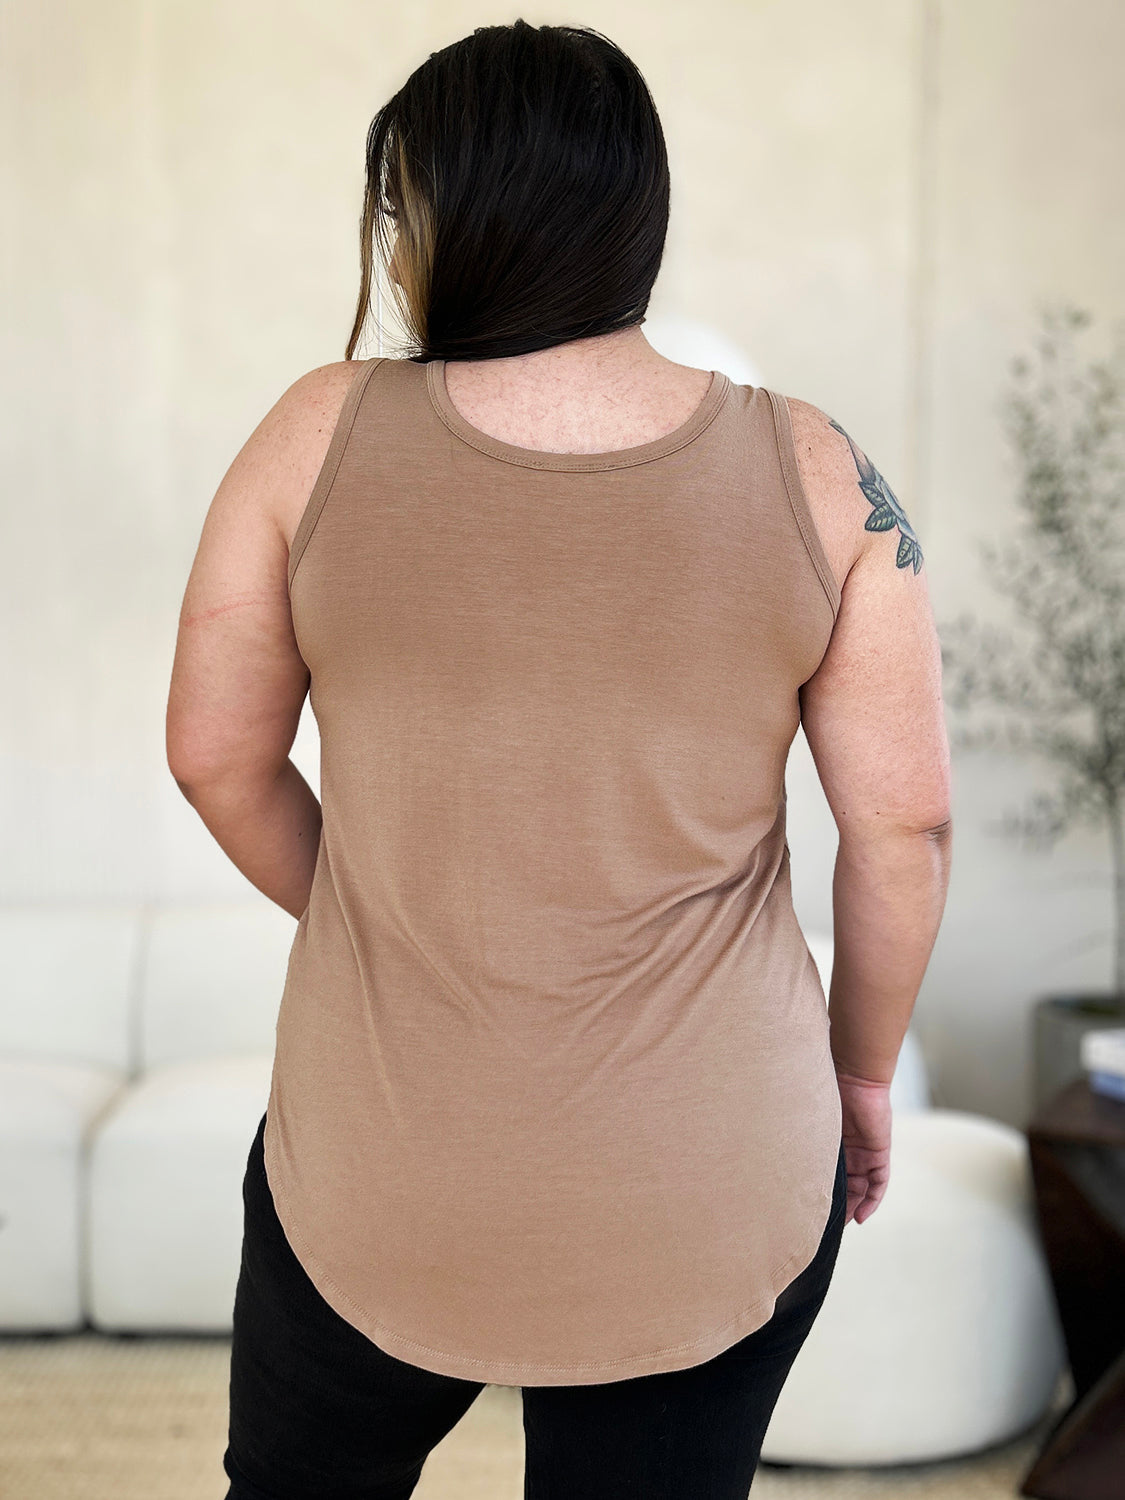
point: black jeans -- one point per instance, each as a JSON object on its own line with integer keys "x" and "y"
{"x": 319, "y": 1412}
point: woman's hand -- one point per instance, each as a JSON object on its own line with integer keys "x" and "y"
{"x": 866, "y": 1106}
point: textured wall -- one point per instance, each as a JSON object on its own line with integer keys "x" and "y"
{"x": 870, "y": 200}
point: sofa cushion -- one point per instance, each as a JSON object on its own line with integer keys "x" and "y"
{"x": 212, "y": 980}
{"x": 69, "y": 976}
{"x": 47, "y": 1114}
{"x": 165, "y": 1195}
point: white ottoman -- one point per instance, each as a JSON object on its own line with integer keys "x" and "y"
{"x": 165, "y": 1196}
{"x": 939, "y": 1334}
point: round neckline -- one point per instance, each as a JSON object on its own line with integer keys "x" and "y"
{"x": 541, "y": 458}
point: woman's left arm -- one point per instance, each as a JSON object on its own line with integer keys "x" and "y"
{"x": 238, "y": 679}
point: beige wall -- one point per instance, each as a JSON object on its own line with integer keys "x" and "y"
{"x": 869, "y": 199}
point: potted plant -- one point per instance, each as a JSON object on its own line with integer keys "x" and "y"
{"x": 1055, "y": 688}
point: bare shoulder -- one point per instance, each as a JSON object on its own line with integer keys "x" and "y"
{"x": 296, "y": 432}
{"x": 851, "y": 502}
{"x": 314, "y": 400}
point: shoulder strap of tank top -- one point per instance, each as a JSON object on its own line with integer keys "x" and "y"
{"x": 334, "y": 453}
{"x": 798, "y": 500}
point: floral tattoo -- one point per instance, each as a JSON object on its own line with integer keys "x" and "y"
{"x": 888, "y": 512}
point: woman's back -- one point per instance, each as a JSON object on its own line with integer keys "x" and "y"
{"x": 553, "y": 1100}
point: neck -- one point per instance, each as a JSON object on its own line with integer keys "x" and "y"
{"x": 604, "y": 359}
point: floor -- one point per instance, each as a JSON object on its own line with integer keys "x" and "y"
{"x": 93, "y": 1417}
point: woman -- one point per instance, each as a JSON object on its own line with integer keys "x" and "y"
{"x": 557, "y": 1101}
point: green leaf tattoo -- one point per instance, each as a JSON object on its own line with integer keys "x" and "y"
{"x": 888, "y": 512}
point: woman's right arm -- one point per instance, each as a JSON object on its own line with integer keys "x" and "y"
{"x": 873, "y": 716}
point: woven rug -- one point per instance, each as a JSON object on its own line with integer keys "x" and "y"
{"x": 95, "y": 1417}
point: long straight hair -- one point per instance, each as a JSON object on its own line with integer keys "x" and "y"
{"x": 524, "y": 172}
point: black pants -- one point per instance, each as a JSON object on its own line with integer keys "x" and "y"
{"x": 319, "y": 1412}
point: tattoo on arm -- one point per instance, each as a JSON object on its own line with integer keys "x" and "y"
{"x": 888, "y": 512}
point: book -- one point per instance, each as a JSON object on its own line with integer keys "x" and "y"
{"x": 1103, "y": 1058}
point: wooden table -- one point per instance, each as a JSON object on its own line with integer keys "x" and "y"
{"x": 1077, "y": 1143}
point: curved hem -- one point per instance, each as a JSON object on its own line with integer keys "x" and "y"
{"x": 519, "y": 1373}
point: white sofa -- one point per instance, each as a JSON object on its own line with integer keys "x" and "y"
{"x": 135, "y": 1053}
{"x": 66, "y": 1038}
{"x": 136, "y": 1045}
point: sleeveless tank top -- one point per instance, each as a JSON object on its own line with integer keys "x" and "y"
{"x": 552, "y": 1100}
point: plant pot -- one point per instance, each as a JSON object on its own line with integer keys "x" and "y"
{"x": 1061, "y": 1021}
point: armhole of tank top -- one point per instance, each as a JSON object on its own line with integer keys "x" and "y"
{"x": 799, "y": 500}
{"x": 322, "y": 485}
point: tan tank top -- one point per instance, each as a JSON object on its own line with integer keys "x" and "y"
{"x": 552, "y": 1099}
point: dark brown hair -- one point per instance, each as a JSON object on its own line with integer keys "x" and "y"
{"x": 525, "y": 172}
